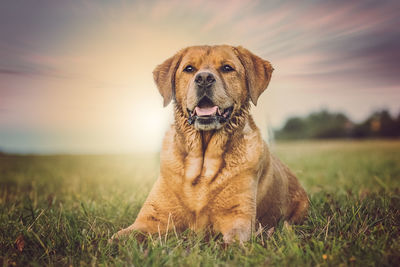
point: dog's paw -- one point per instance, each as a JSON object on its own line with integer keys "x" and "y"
{"x": 124, "y": 234}
{"x": 115, "y": 238}
{"x": 240, "y": 234}
{"x": 112, "y": 240}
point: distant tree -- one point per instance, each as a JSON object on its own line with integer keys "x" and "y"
{"x": 379, "y": 124}
{"x": 362, "y": 130}
{"x": 398, "y": 125}
{"x": 294, "y": 128}
{"x": 327, "y": 125}
{"x": 324, "y": 124}
{"x": 388, "y": 125}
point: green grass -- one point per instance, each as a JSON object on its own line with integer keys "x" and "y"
{"x": 63, "y": 209}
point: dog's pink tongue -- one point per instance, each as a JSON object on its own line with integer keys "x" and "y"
{"x": 208, "y": 111}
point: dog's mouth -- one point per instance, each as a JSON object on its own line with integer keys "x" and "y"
{"x": 207, "y": 112}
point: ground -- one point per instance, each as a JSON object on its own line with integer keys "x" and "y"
{"x": 61, "y": 210}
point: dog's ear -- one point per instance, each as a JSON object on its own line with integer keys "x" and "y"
{"x": 258, "y": 72}
{"x": 164, "y": 77}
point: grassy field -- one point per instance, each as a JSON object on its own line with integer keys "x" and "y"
{"x": 60, "y": 210}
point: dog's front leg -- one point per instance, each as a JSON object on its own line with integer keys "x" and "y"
{"x": 141, "y": 229}
{"x": 234, "y": 207}
{"x": 236, "y": 220}
{"x": 156, "y": 214}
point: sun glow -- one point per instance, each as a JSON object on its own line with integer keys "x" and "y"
{"x": 76, "y": 76}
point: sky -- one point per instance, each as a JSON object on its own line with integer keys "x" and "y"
{"x": 76, "y": 76}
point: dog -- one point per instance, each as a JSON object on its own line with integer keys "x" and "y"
{"x": 216, "y": 172}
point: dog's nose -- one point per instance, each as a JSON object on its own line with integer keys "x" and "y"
{"x": 204, "y": 78}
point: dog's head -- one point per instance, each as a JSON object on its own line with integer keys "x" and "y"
{"x": 212, "y": 83}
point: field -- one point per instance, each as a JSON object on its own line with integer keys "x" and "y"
{"x": 61, "y": 210}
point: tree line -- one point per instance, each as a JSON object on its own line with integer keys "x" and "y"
{"x": 324, "y": 124}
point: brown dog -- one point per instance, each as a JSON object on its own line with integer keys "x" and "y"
{"x": 216, "y": 171}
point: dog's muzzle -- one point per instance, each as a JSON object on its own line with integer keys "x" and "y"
{"x": 207, "y": 113}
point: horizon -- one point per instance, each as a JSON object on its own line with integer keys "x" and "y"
{"x": 267, "y": 138}
{"x": 76, "y": 77}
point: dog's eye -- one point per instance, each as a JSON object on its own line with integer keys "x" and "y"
{"x": 227, "y": 68}
{"x": 188, "y": 68}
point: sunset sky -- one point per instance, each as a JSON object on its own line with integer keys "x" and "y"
{"x": 76, "y": 76}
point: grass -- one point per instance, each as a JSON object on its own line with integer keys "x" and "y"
{"x": 60, "y": 210}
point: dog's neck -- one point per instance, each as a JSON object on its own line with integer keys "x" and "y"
{"x": 204, "y": 150}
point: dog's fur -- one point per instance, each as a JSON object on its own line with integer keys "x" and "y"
{"x": 217, "y": 175}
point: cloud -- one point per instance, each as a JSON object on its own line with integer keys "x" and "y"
{"x": 11, "y": 72}
{"x": 343, "y": 33}
{"x": 354, "y": 40}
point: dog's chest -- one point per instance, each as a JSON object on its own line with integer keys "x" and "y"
{"x": 198, "y": 199}
{"x": 200, "y": 180}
